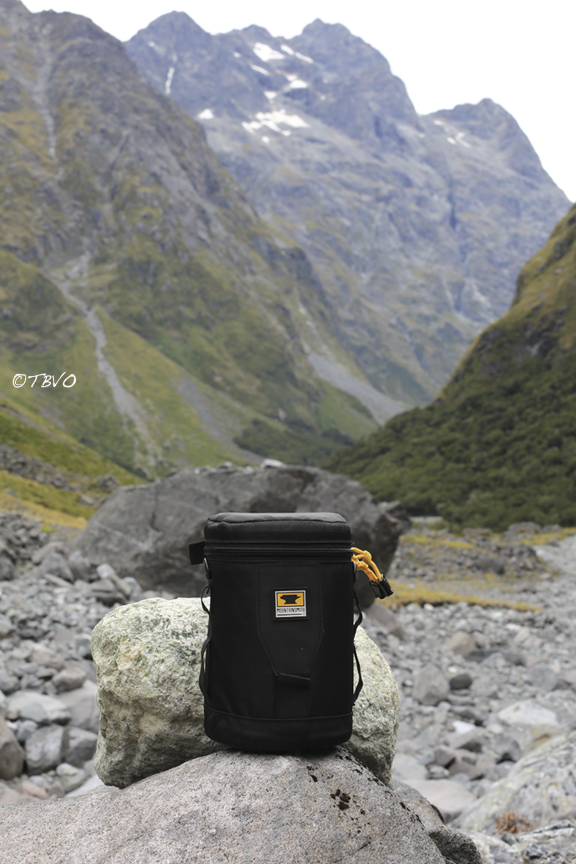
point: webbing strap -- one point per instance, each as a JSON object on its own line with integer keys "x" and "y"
{"x": 203, "y": 674}
{"x": 357, "y": 623}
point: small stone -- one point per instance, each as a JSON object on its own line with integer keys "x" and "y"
{"x": 3, "y": 705}
{"x": 81, "y": 746}
{"x": 515, "y": 657}
{"x": 6, "y": 567}
{"x": 471, "y": 740}
{"x": 11, "y": 796}
{"x": 70, "y": 776}
{"x": 465, "y": 763}
{"x": 44, "y": 749}
{"x": 81, "y": 705}
{"x": 444, "y": 756}
{"x": 430, "y": 685}
{"x": 80, "y": 566}
{"x": 7, "y": 628}
{"x": 25, "y": 729}
{"x": 448, "y": 796}
{"x": 105, "y": 572}
{"x": 47, "y": 657}
{"x": 56, "y": 789}
{"x": 28, "y": 788}
{"x": 8, "y": 683}
{"x": 543, "y": 676}
{"x": 11, "y": 754}
{"x": 462, "y": 681}
{"x": 136, "y": 592}
{"x": 530, "y": 715}
{"x": 107, "y": 592}
{"x": 386, "y": 618}
{"x": 69, "y": 679}
{"x": 461, "y": 643}
{"x": 506, "y": 749}
{"x": 55, "y": 564}
{"x": 408, "y": 768}
{"x": 29, "y": 705}
{"x": 437, "y": 772}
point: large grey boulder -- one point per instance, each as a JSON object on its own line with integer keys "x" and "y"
{"x": 144, "y": 531}
{"x": 227, "y": 806}
{"x": 151, "y": 707}
{"x": 540, "y": 788}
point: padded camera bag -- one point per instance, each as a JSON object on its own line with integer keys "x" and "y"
{"x": 277, "y": 671}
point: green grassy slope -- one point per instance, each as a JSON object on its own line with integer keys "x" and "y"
{"x": 499, "y": 444}
{"x": 119, "y": 224}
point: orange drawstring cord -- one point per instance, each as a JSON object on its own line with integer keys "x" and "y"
{"x": 364, "y": 562}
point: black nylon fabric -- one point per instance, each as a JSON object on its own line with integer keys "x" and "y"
{"x": 275, "y": 684}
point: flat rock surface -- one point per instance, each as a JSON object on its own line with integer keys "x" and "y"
{"x": 227, "y": 807}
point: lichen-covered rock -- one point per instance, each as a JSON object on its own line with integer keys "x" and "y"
{"x": 376, "y": 712}
{"x": 151, "y": 707}
{"x": 229, "y": 806}
{"x": 539, "y": 788}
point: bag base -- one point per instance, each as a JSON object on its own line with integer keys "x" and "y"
{"x": 264, "y": 735}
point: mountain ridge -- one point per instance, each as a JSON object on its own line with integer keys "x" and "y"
{"x": 416, "y": 226}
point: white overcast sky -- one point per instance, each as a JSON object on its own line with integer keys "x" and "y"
{"x": 520, "y": 53}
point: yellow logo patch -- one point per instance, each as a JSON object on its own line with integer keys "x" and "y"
{"x": 290, "y": 604}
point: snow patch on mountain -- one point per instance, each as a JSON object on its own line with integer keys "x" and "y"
{"x": 266, "y": 53}
{"x": 272, "y": 119}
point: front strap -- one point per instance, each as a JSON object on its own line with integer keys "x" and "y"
{"x": 357, "y": 623}
{"x": 292, "y": 696}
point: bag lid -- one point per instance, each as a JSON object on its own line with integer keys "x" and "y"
{"x": 278, "y": 527}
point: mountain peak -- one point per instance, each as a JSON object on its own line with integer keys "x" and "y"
{"x": 178, "y": 28}
{"x": 490, "y": 122}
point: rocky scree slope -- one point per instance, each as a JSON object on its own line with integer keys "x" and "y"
{"x": 417, "y": 226}
{"x": 499, "y": 443}
{"x": 130, "y": 258}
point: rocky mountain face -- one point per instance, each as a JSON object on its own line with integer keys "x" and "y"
{"x": 416, "y": 226}
{"x": 499, "y": 443}
{"x": 131, "y": 259}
